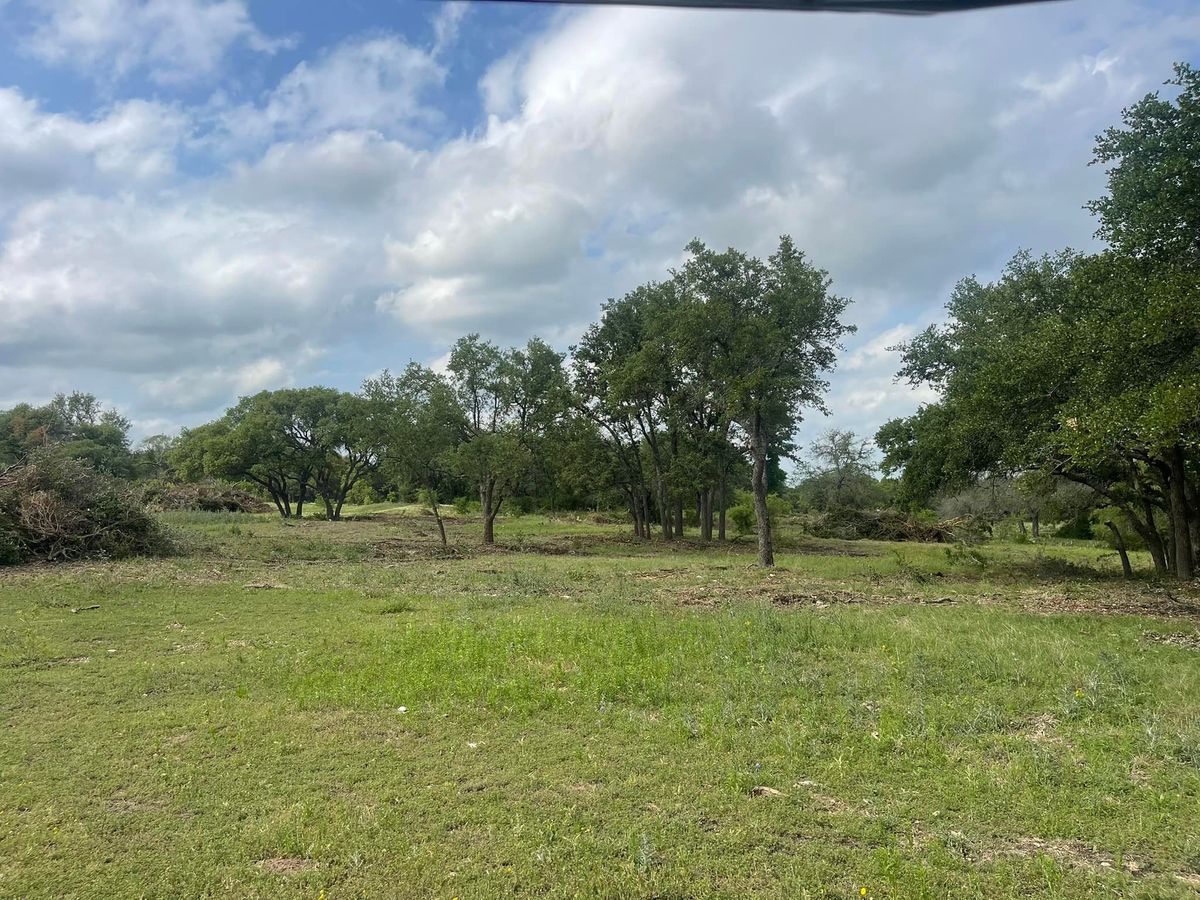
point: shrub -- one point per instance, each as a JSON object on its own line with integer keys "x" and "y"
{"x": 361, "y": 493}
{"x": 742, "y": 515}
{"x": 55, "y": 508}
{"x": 1079, "y": 527}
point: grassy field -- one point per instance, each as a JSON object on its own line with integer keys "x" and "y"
{"x": 340, "y": 710}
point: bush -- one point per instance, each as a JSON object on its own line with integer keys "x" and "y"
{"x": 54, "y": 508}
{"x": 205, "y": 496}
{"x": 1079, "y": 527}
{"x": 742, "y": 515}
{"x": 361, "y": 493}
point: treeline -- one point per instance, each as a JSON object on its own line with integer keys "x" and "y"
{"x": 683, "y": 388}
{"x": 1083, "y": 367}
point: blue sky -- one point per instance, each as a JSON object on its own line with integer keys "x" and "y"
{"x": 202, "y": 199}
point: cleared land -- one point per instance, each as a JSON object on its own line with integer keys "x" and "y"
{"x": 340, "y": 707}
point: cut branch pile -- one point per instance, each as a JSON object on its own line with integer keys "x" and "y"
{"x": 204, "y": 497}
{"x": 889, "y": 525}
{"x": 53, "y": 508}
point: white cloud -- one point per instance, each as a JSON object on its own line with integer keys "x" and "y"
{"x": 446, "y": 23}
{"x": 171, "y": 40}
{"x": 131, "y": 143}
{"x": 375, "y": 84}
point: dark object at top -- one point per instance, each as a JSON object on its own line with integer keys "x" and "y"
{"x": 911, "y": 7}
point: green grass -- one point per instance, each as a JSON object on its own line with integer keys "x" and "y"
{"x": 296, "y": 708}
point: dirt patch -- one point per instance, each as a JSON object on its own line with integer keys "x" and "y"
{"x": 1069, "y": 853}
{"x": 785, "y": 590}
{"x": 402, "y": 549}
{"x": 1188, "y": 641}
{"x": 1043, "y": 729}
{"x": 1114, "y": 599}
{"x": 763, "y": 791}
{"x": 286, "y": 865}
{"x": 265, "y": 585}
{"x": 120, "y": 804}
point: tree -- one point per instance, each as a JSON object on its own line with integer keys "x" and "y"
{"x": 839, "y": 473}
{"x": 153, "y": 456}
{"x": 287, "y": 442}
{"x": 348, "y": 445}
{"x": 1084, "y": 368}
{"x": 420, "y": 424}
{"x": 769, "y": 332}
{"x": 508, "y": 401}
{"x": 77, "y": 424}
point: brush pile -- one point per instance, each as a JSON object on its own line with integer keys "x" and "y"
{"x": 888, "y": 525}
{"x": 56, "y": 509}
{"x": 205, "y": 496}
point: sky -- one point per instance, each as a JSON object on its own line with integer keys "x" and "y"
{"x": 200, "y": 199}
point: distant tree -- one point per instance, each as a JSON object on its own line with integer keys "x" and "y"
{"x": 622, "y": 377}
{"x": 288, "y": 442}
{"x": 839, "y": 473}
{"x": 508, "y": 401}
{"x": 77, "y": 424}
{"x": 770, "y": 331}
{"x": 153, "y": 456}
{"x": 420, "y": 423}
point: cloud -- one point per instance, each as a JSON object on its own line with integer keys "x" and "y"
{"x": 133, "y": 286}
{"x": 375, "y": 84}
{"x": 130, "y": 143}
{"x": 208, "y": 387}
{"x": 172, "y": 41}
{"x": 446, "y": 23}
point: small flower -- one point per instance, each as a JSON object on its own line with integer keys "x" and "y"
{"x": 862, "y": 892}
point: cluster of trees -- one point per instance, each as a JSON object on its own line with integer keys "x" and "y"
{"x": 680, "y": 387}
{"x": 1083, "y": 367}
{"x": 80, "y": 426}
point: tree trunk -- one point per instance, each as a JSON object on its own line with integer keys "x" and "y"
{"x": 486, "y": 493}
{"x": 758, "y": 480}
{"x": 1120, "y": 544}
{"x": 635, "y": 513}
{"x": 1035, "y": 522}
{"x": 1193, "y": 498}
{"x": 721, "y": 508}
{"x": 300, "y": 497}
{"x": 1021, "y": 524}
{"x": 679, "y": 515}
{"x": 664, "y": 509}
{"x": 1179, "y": 515}
{"x": 1149, "y": 533}
{"x": 437, "y": 517}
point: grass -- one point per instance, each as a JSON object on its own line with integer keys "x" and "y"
{"x": 291, "y": 709}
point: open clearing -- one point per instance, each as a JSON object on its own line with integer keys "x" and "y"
{"x": 291, "y": 709}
